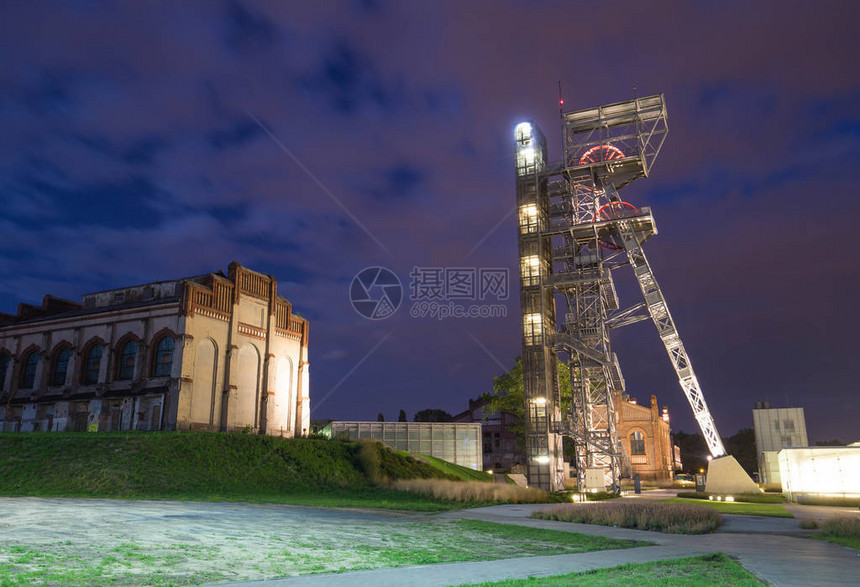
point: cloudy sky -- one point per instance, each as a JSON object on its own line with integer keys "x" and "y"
{"x": 131, "y": 152}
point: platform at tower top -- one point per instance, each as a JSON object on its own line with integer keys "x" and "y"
{"x": 617, "y": 142}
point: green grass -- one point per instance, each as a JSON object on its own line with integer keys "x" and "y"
{"x": 711, "y": 569}
{"x": 306, "y": 551}
{"x": 742, "y": 497}
{"x": 748, "y": 509}
{"x": 455, "y": 470}
{"x": 850, "y": 542}
{"x": 841, "y": 530}
{"x": 204, "y": 466}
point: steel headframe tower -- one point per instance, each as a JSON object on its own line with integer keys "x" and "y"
{"x": 574, "y": 231}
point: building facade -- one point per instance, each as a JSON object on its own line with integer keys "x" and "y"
{"x": 645, "y": 435}
{"x": 820, "y": 472}
{"x": 501, "y": 449}
{"x": 775, "y": 429}
{"x": 209, "y": 352}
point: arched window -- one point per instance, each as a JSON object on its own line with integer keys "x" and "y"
{"x": 61, "y": 366}
{"x": 127, "y": 357}
{"x": 4, "y": 367}
{"x": 92, "y": 364}
{"x": 637, "y": 443}
{"x": 163, "y": 360}
{"x": 28, "y": 373}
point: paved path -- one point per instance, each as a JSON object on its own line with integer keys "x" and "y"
{"x": 758, "y": 543}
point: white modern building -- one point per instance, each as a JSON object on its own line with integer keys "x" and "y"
{"x": 209, "y": 352}
{"x": 820, "y": 471}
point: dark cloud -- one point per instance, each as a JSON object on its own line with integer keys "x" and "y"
{"x": 144, "y": 150}
{"x": 404, "y": 177}
{"x": 50, "y": 95}
{"x": 124, "y": 204}
{"x": 236, "y": 135}
{"x": 247, "y": 30}
{"x": 347, "y": 78}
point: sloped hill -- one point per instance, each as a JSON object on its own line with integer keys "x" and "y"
{"x": 201, "y": 466}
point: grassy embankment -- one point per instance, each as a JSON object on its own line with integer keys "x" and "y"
{"x": 715, "y": 569}
{"x": 212, "y": 467}
{"x": 453, "y": 469}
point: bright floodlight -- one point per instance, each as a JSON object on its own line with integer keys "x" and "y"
{"x": 523, "y": 130}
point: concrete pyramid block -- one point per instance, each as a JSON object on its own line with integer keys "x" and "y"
{"x": 727, "y": 477}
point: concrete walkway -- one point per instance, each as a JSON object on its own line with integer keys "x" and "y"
{"x": 774, "y": 549}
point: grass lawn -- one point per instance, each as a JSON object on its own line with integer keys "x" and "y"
{"x": 849, "y": 541}
{"x": 462, "y": 473}
{"x": 175, "y": 557}
{"x": 711, "y": 569}
{"x": 202, "y": 466}
{"x": 748, "y": 509}
{"x": 744, "y": 497}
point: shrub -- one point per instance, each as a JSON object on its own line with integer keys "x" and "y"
{"x": 601, "y": 496}
{"x": 851, "y": 502}
{"x": 808, "y": 524}
{"x": 367, "y": 459}
{"x": 471, "y": 491}
{"x": 841, "y": 527}
{"x": 693, "y": 494}
{"x": 660, "y": 517}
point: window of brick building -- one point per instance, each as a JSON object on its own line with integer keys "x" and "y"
{"x": 127, "y": 358}
{"x": 163, "y": 357}
{"x": 4, "y": 367}
{"x": 92, "y": 364}
{"x": 61, "y": 366}
{"x": 28, "y": 373}
{"x": 637, "y": 443}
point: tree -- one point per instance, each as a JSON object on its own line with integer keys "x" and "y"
{"x": 509, "y": 396}
{"x": 741, "y": 445}
{"x": 432, "y": 415}
{"x": 509, "y": 393}
{"x": 833, "y": 442}
{"x": 380, "y": 417}
{"x": 694, "y": 451}
{"x": 402, "y": 416}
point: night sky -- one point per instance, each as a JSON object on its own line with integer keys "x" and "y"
{"x": 130, "y": 152}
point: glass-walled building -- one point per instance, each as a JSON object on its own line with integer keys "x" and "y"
{"x": 455, "y": 443}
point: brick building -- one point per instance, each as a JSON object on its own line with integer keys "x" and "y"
{"x": 642, "y": 430}
{"x": 209, "y": 352}
{"x": 499, "y": 444}
{"x": 644, "y": 434}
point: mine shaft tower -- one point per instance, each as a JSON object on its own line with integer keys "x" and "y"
{"x": 574, "y": 232}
